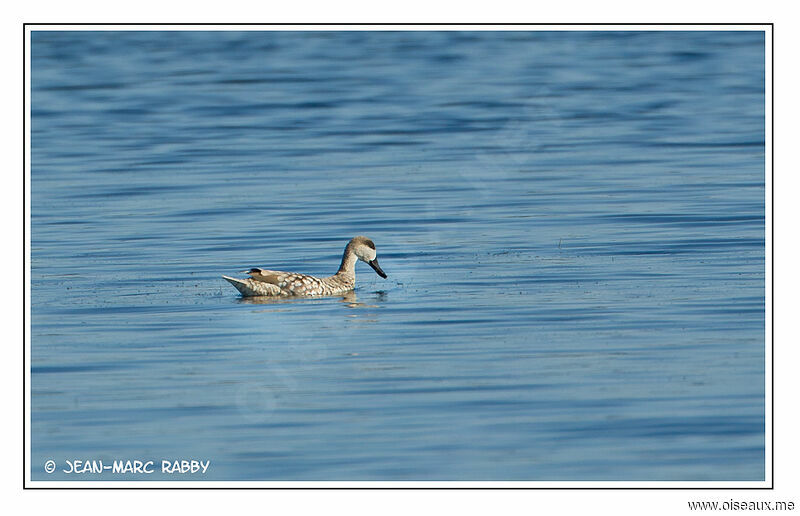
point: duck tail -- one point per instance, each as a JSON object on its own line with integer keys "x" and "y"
{"x": 240, "y": 285}
{"x": 249, "y": 287}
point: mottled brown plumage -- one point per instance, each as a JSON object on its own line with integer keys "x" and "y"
{"x": 265, "y": 282}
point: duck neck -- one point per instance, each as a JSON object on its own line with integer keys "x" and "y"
{"x": 349, "y": 259}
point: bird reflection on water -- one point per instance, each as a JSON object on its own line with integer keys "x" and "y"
{"x": 349, "y": 299}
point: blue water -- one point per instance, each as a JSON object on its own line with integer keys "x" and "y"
{"x": 572, "y": 224}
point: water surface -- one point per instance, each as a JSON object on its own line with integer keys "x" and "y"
{"x": 572, "y": 224}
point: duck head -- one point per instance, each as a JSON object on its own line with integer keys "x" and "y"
{"x": 364, "y": 249}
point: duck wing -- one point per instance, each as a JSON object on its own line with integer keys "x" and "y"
{"x": 290, "y": 283}
{"x": 267, "y": 276}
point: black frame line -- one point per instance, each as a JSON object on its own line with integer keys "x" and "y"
{"x": 25, "y": 141}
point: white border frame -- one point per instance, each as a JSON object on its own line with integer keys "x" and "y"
{"x": 200, "y": 484}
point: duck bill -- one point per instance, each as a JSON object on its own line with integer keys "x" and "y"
{"x": 374, "y": 265}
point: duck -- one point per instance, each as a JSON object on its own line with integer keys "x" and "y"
{"x": 265, "y": 282}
